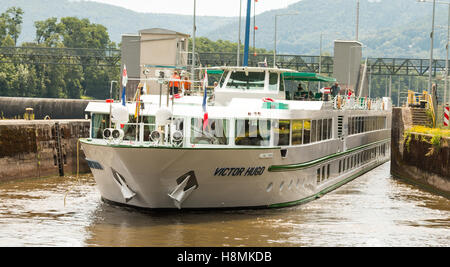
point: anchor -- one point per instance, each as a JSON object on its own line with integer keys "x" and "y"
{"x": 127, "y": 193}
{"x": 187, "y": 183}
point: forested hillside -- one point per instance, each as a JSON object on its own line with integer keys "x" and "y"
{"x": 389, "y": 28}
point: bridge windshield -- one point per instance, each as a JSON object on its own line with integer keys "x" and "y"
{"x": 247, "y": 81}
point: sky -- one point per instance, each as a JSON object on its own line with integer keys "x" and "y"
{"x": 226, "y": 8}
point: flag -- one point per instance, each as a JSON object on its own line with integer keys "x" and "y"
{"x": 138, "y": 102}
{"x": 205, "y": 112}
{"x": 124, "y": 83}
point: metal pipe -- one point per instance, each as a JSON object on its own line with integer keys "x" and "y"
{"x": 247, "y": 32}
{"x": 238, "y": 61}
{"x": 446, "y": 62}
{"x": 193, "y": 43}
{"x": 275, "y": 44}
{"x": 430, "y": 74}
{"x": 357, "y": 20}
{"x": 110, "y": 104}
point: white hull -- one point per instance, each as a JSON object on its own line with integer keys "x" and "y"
{"x": 258, "y": 147}
{"x": 224, "y": 177}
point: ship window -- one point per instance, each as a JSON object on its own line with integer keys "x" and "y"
{"x": 282, "y": 133}
{"x": 358, "y": 125}
{"x": 330, "y": 128}
{"x": 350, "y": 126}
{"x": 297, "y": 132}
{"x": 325, "y": 129}
{"x": 323, "y": 173}
{"x": 306, "y": 132}
{"x": 273, "y": 81}
{"x": 252, "y": 132}
{"x": 281, "y": 84}
{"x": 313, "y": 131}
{"x": 252, "y": 81}
{"x": 149, "y": 125}
{"x": 319, "y": 130}
{"x": 130, "y": 129}
{"x": 99, "y": 123}
{"x": 318, "y": 175}
{"x": 216, "y": 132}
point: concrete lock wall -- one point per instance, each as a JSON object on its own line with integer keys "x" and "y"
{"x": 29, "y": 149}
{"x": 11, "y": 107}
{"x": 414, "y": 158}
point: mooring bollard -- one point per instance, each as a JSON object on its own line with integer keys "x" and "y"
{"x": 29, "y": 114}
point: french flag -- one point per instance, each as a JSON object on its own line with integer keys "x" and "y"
{"x": 205, "y": 112}
{"x": 124, "y": 83}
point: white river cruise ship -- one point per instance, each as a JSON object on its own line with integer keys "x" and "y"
{"x": 246, "y": 144}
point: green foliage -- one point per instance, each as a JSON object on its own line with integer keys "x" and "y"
{"x": 56, "y": 80}
{"x": 11, "y": 24}
{"x": 431, "y": 136}
{"x": 205, "y": 45}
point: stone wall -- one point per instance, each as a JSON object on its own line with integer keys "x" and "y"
{"x": 416, "y": 159}
{"x": 29, "y": 149}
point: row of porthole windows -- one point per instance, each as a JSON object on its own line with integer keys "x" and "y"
{"x": 323, "y": 173}
{"x": 358, "y": 125}
{"x": 360, "y": 158}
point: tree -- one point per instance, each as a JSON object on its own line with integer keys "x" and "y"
{"x": 13, "y": 17}
{"x": 48, "y": 32}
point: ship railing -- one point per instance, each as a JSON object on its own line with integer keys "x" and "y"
{"x": 139, "y": 133}
{"x": 357, "y": 103}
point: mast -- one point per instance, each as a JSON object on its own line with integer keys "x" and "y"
{"x": 247, "y": 32}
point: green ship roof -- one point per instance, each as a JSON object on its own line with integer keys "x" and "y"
{"x": 306, "y": 76}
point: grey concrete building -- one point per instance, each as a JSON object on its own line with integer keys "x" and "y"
{"x": 150, "y": 51}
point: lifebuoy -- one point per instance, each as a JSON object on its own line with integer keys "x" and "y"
{"x": 268, "y": 99}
